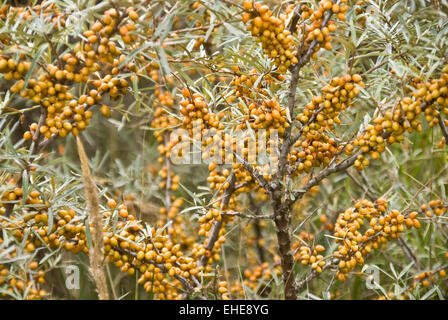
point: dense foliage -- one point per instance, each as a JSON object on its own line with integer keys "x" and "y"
{"x": 223, "y": 149}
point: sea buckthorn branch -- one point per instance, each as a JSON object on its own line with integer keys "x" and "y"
{"x": 295, "y": 71}
{"x": 427, "y": 99}
{"x": 281, "y": 220}
{"x": 168, "y": 181}
{"x": 216, "y": 227}
{"x": 295, "y": 18}
{"x": 10, "y": 206}
{"x": 186, "y": 30}
{"x": 253, "y": 172}
{"x": 373, "y": 195}
{"x": 242, "y": 185}
{"x": 311, "y": 120}
{"x": 158, "y": 249}
{"x": 354, "y": 246}
{"x": 395, "y": 56}
{"x": 43, "y": 115}
{"x": 338, "y": 167}
{"x": 341, "y": 166}
{"x": 188, "y": 287}
{"x": 285, "y": 148}
{"x": 368, "y": 189}
{"x": 258, "y": 231}
{"x": 426, "y": 279}
{"x": 52, "y": 87}
{"x": 303, "y": 59}
{"x": 282, "y": 224}
{"x": 314, "y": 274}
{"x": 282, "y": 208}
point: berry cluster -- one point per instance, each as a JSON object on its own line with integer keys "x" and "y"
{"x": 206, "y": 17}
{"x": 17, "y": 283}
{"x": 315, "y": 147}
{"x": 429, "y": 277}
{"x": 244, "y": 84}
{"x": 99, "y": 56}
{"x": 194, "y": 108}
{"x": 162, "y": 120}
{"x": 163, "y": 123}
{"x": 270, "y": 115}
{"x": 47, "y": 11}
{"x": 271, "y": 32}
{"x": 127, "y": 245}
{"x": 153, "y": 255}
{"x": 382, "y": 227}
{"x": 316, "y": 30}
{"x": 428, "y": 98}
{"x": 257, "y": 279}
{"x": 14, "y": 70}
{"x": 306, "y": 256}
{"x": 223, "y": 290}
{"x": 436, "y": 207}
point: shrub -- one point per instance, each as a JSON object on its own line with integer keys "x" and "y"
{"x": 223, "y": 149}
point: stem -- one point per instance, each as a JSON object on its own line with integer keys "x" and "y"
{"x": 53, "y": 50}
{"x": 408, "y": 252}
{"x": 168, "y": 203}
{"x": 214, "y": 233}
{"x": 282, "y": 221}
{"x": 257, "y": 227}
{"x": 281, "y": 210}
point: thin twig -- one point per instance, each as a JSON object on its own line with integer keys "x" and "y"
{"x": 53, "y": 50}
{"x": 366, "y": 189}
{"x": 384, "y": 63}
{"x": 254, "y": 173}
{"x": 216, "y": 227}
{"x": 408, "y": 252}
